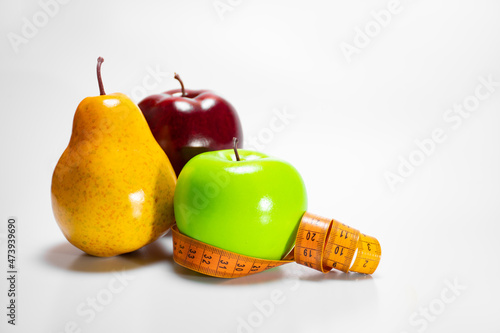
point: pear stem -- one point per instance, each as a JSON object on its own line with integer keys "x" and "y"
{"x": 235, "y": 141}
{"x": 100, "y": 60}
{"x": 178, "y": 78}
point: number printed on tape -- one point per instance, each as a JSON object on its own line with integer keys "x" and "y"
{"x": 322, "y": 244}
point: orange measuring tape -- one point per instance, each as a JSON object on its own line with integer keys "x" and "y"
{"x": 321, "y": 244}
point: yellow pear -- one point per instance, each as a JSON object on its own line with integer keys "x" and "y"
{"x": 113, "y": 187}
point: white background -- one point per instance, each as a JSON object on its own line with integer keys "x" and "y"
{"x": 353, "y": 118}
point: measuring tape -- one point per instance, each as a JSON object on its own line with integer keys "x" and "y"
{"x": 321, "y": 244}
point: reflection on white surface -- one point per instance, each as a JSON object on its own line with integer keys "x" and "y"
{"x": 136, "y": 200}
{"x": 353, "y": 121}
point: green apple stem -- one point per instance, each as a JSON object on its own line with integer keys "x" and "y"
{"x": 100, "y": 60}
{"x": 178, "y": 78}
{"x": 235, "y": 141}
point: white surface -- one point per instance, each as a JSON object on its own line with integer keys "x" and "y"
{"x": 351, "y": 122}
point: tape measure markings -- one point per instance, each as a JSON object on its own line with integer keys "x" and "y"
{"x": 368, "y": 256}
{"x": 345, "y": 237}
{"x": 310, "y": 241}
{"x": 213, "y": 261}
{"x": 321, "y": 244}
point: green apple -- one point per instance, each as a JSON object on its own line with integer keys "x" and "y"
{"x": 251, "y": 206}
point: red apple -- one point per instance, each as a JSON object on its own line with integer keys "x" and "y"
{"x": 189, "y": 122}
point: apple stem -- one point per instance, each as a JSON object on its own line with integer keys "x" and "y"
{"x": 100, "y": 60}
{"x": 235, "y": 141}
{"x": 178, "y": 78}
